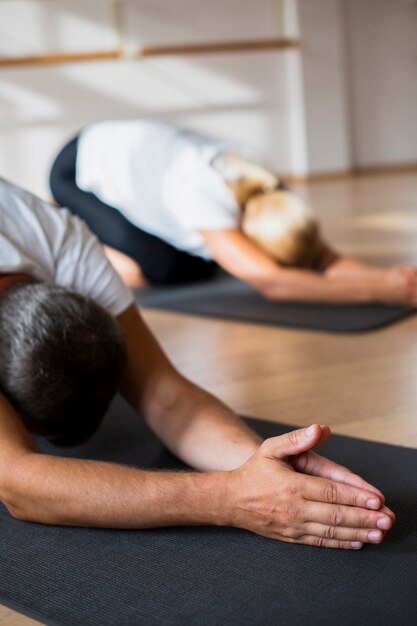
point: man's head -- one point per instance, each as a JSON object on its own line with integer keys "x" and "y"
{"x": 61, "y": 359}
{"x": 283, "y": 226}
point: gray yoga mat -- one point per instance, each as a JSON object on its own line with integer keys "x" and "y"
{"x": 228, "y": 298}
{"x": 213, "y": 576}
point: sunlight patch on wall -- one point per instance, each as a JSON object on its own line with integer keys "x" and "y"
{"x": 162, "y": 84}
{"x": 24, "y": 103}
{"x": 28, "y": 27}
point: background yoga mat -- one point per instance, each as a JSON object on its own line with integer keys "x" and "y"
{"x": 229, "y": 298}
{"x": 213, "y": 576}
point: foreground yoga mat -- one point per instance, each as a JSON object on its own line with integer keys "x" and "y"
{"x": 213, "y": 576}
{"x": 229, "y": 298}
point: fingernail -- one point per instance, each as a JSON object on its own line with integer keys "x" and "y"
{"x": 373, "y": 503}
{"x": 374, "y": 535}
{"x": 310, "y": 431}
{"x": 356, "y": 545}
{"x": 384, "y": 523}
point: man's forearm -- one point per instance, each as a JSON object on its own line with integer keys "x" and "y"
{"x": 75, "y": 492}
{"x": 266, "y": 495}
{"x": 200, "y": 429}
{"x": 194, "y": 425}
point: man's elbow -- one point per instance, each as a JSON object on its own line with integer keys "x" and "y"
{"x": 22, "y": 508}
{"x": 14, "y": 504}
{"x": 15, "y": 495}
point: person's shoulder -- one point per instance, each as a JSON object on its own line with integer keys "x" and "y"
{"x": 17, "y": 202}
{"x": 10, "y": 191}
{"x": 25, "y": 211}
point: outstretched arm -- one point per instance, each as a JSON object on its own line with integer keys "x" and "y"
{"x": 242, "y": 258}
{"x": 399, "y": 283}
{"x": 334, "y": 264}
{"x": 193, "y": 424}
{"x": 279, "y": 489}
{"x": 266, "y": 495}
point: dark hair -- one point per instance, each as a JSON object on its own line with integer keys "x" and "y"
{"x": 61, "y": 360}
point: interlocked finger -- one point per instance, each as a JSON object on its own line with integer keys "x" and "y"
{"x": 347, "y": 516}
{"x": 321, "y": 542}
{"x": 322, "y": 490}
{"x": 342, "y": 533}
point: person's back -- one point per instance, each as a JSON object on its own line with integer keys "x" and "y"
{"x": 54, "y": 246}
{"x": 157, "y": 175}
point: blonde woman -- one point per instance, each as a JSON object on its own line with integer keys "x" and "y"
{"x": 171, "y": 205}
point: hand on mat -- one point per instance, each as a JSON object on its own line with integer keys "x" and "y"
{"x": 401, "y": 285}
{"x": 285, "y": 491}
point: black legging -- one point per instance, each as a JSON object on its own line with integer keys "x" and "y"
{"x": 159, "y": 261}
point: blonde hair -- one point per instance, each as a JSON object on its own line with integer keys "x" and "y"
{"x": 244, "y": 177}
{"x": 283, "y": 225}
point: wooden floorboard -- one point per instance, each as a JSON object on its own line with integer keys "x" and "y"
{"x": 363, "y": 385}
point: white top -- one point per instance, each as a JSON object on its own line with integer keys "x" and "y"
{"x": 54, "y": 246}
{"x": 159, "y": 177}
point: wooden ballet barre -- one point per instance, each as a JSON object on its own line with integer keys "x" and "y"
{"x": 55, "y": 58}
{"x": 224, "y": 46}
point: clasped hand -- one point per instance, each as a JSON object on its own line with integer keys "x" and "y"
{"x": 286, "y": 491}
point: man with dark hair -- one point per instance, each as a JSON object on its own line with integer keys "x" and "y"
{"x": 70, "y": 336}
{"x": 62, "y": 359}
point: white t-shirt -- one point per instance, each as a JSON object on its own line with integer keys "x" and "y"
{"x": 54, "y": 246}
{"x": 159, "y": 177}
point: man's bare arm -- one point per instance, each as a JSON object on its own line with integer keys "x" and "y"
{"x": 266, "y": 495}
{"x": 54, "y": 490}
{"x": 280, "y": 489}
{"x": 193, "y": 424}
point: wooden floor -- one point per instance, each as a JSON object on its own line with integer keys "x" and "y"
{"x": 363, "y": 385}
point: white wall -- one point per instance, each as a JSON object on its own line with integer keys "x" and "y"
{"x": 239, "y": 97}
{"x": 360, "y": 82}
{"x": 349, "y": 98}
{"x": 326, "y": 101}
{"x": 383, "y": 73}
